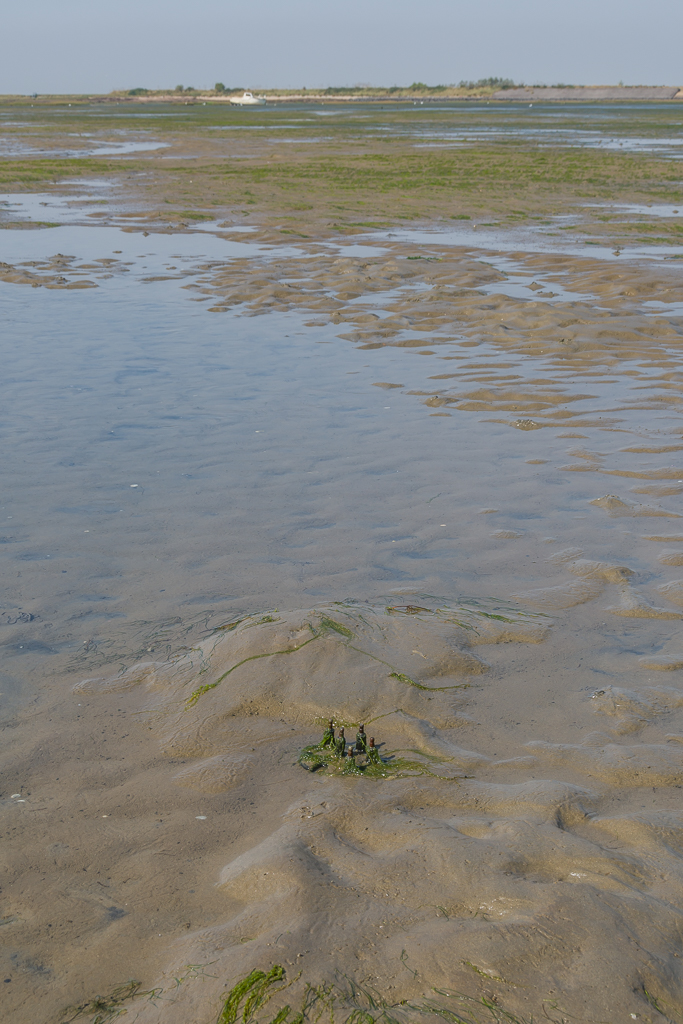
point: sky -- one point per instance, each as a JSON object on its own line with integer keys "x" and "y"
{"x": 93, "y": 46}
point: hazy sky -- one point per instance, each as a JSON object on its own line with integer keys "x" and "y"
{"x": 95, "y": 46}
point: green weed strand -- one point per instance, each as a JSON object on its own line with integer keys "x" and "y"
{"x": 194, "y": 697}
{"x": 402, "y": 678}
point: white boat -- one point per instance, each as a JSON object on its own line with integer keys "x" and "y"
{"x": 247, "y": 99}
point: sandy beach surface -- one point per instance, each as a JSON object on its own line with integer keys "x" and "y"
{"x": 229, "y": 516}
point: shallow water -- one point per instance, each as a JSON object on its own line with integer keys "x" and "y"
{"x": 532, "y": 238}
{"x": 557, "y": 137}
{"x": 11, "y": 148}
{"x": 198, "y": 430}
{"x": 651, "y": 210}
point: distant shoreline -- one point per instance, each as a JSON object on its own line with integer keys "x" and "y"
{"x": 426, "y": 94}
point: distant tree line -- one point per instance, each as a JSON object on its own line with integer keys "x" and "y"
{"x": 332, "y": 90}
{"x": 219, "y": 87}
{"x": 489, "y": 83}
{"x": 482, "y": 83}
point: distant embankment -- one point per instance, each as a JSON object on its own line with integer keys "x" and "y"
{"x": 591, "y": 92}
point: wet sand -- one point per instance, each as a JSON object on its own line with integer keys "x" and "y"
{"x": 231, "y": 515}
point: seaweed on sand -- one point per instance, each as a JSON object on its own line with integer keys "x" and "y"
{"x": 403, "y": 678}
{"x": 390, "y": 766}
{"x": 468, "y": 616}
{"x": 394, "y": 766}
{"x": 327, "y": 623}
{"x": 315, "y": 757}
{"x": 256, "y": 990}
{"x": 103, "y": 1008}
{"x": 196, "y": 694}
{"x": 348, "y": 1002}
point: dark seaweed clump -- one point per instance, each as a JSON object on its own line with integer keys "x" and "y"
{"x": 332, "y": 758}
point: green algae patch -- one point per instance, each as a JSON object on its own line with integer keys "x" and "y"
{"x": 327, "y": 623}
{"x": 254, "y": 991}
{"x": 196, "y": 694}
{"x": 348, "y": 1001}
{"x": 392, "y": 765}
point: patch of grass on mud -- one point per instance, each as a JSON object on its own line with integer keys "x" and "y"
{"x": 352, "y": 175}
{"x": 468, "y": 170}
{"x": 407, "y": 184}
{"x": 20, "y": 175}
{"x": 23, "y": 224}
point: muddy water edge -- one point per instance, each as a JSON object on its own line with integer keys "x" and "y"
{"x": 230, "y": 514}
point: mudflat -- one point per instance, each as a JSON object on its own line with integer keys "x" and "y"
{"x": 230, "y": 517}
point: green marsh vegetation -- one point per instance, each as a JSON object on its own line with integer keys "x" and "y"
{"x": 289, "y": 170}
